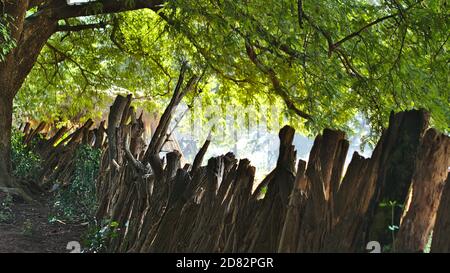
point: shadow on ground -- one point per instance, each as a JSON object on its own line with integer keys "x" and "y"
{"x": 29, "y": 231}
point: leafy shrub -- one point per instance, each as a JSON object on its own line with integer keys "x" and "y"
{"x": 98, "y": 236}
{"x": 28, "y": 228}
{"x": 6, "y": 214}
{"x": 77, "y": 201}
{"x": 25, "y": 163}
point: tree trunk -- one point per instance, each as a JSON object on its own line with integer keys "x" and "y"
{"x": 30, "y": 39}
{"x": 6, "y": 105}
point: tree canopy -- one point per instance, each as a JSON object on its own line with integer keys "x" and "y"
{"x": 321, "y": 63}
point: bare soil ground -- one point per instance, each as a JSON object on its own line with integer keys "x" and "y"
{"x": 29, "y": 230}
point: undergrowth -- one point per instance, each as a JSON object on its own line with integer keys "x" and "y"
{"x": 6, "y": 213}
{"x": 25, "y": 163}
{"x": 98, "y": 235}
{"x": 77, "y": 201}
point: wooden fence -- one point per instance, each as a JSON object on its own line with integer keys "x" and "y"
{"x": 397, "y": 195}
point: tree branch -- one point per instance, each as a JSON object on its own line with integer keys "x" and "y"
{"x": 275, "y": 81}
{"x": 35, "y": 3}
{"x": 59, "y": 9}
{"x": 138, "y": 166}
{"x": 356, "y": 33}
{"x": 300, "y": 13}
{"x": 348, "y": 65}
{"x": 379, "y": 20}
{"x": 159, "y": 136}
{"x": 69, "y": 28}
{"x": 66, "y": 56}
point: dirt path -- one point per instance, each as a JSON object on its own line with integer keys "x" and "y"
{"x": 30, "y": 231}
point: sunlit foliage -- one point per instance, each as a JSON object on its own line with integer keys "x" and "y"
{"x": 331, "y": 60}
